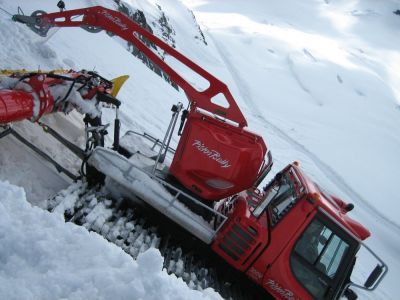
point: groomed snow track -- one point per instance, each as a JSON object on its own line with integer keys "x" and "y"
{"x": 135, "y": 228}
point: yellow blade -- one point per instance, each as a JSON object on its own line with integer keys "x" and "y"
{"x": 118, "y": 83}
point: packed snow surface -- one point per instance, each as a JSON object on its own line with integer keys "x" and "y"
{"x": 42, "y": 257}
{"x": 318, "y": 79}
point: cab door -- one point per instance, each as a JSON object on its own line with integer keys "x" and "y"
{"x": 322, "y": 257}
{"x": 320, "y": 261}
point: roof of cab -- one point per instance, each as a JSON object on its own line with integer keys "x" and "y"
{"x": 333, "y": 205}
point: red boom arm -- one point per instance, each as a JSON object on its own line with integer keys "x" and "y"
{"x": 96, "y": 18}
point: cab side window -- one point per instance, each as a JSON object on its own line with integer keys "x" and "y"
{"x": 317, "y": 257}
{"x": 283, "y": 200}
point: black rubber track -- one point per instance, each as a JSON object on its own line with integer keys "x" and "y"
{"x": 135, "y": 227}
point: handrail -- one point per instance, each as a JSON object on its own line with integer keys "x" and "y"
{"x": 108, "y": 162}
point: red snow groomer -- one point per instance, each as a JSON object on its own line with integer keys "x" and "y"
{"x": 291, "y": 237}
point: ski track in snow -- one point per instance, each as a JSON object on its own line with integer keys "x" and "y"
{"x": 327, "y": 170}
{"x": 298, "y": 80}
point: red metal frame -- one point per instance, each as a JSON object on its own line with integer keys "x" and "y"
{"x": 119, "y": 24}
{"x": 32, "y": 98}
{"x": 19, "y": 104}
{"x": 15, "y": 106}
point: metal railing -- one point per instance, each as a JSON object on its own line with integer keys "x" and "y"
{"x": 167, "y": 202}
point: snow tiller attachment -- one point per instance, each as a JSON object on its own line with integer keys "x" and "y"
{"x": 32, "y": 95}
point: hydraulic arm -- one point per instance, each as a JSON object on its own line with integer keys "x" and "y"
{"x": 97, "y": 18}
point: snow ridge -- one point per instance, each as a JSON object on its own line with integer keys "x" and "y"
{"x": 47, "y": 258}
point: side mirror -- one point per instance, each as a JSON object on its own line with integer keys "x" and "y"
{"x": 367, "y": 260}
{"x": 374, "y": 276}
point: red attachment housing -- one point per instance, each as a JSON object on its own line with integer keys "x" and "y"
{"x": 40, "y": 84}
{"x": 15, "y": 106}
{"x": 215, "y": 159}
{"x": 32, "y": 98}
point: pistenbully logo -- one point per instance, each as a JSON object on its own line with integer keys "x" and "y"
{"x": 285, "y": 293}
{"x": 117, "y": 21}
{"x": 213, "y": 154}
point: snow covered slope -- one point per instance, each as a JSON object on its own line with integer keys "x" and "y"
{"x": 42, "y": 257}
{"x": 318, "y": 79}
